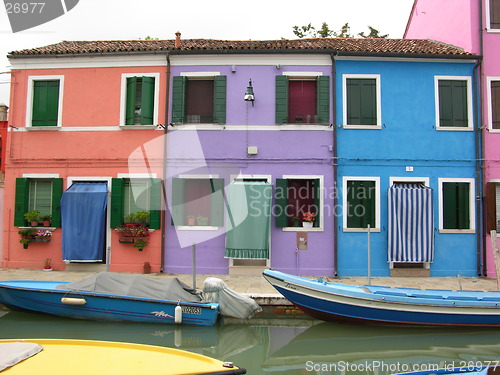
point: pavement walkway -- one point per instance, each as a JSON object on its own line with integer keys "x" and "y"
{"x": 257, "y": 286}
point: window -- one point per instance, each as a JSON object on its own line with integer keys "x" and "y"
{"x": 453, "y": 104}
{"x": 197, "y": 202}
{"x": 131, "y": 195}
{"x": 361, "y": 201}
{"x": 296, "y": 195}
{"x": 362, "y": 101}
{"x": 456, "y": 200}
{"x": 139, "y": 99}
{"x": 493, "y": 206}
{"x": 302, "y": 100}
{"x": 494, "y": 13}
{"x": 40, "y": 194}
{"x": 494, "y": 103}
{"x": 199, "y": 100}
{"x": 44, "y": 101}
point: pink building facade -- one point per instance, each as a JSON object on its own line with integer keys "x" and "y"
{"x": 473, "y": 25}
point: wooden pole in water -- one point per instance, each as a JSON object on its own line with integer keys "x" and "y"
{"x": 496, "y": 255}
{"x": 193, "y": 248}
{"x": 369, "y": 257}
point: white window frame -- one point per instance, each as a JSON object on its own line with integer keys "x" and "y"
{"x": 488, "y": 19}
{"x": 472, "y": 208}
{"x": 345, "y": 77}
{"x": 29, "y": 100}
{"x": 470, "y": 122}
{"x": 489, "y": 104}
{"x": 321, "y": 178}
{"x": 197, "y": 177}
{"x": 123, "y": 98}
{"x": 345, "y": 179}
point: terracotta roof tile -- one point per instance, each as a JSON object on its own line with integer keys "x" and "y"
{"x": 342, "y": 45}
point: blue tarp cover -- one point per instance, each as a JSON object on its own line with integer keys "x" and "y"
{"x": 83, "y": 214}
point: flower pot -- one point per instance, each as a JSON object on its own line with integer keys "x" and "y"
{"x": 126, "y": 239}
{"x": 34, "y": 223}
{"x": 47, "y": 268}
{"x": 307, "y": 224}
{"x": 190, "y": 221}
{"x": 46, "y": 223}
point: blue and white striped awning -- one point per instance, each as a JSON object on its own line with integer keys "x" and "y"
{"x": 411, "y": 223}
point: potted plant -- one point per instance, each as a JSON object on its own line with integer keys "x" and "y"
{"x": 46, "y": 219}
{"x": 142, "y": 217}
{"x": 32, "y": 217}
{"x": 202, "y": 220}
{"x": 43, "y": 235}
{"x": 308, "y": 219}
{"x": 295, "y": 221}
{"x": 27, "y": 236}
{"x": 46, "y": 264}
{"x": 26, "y": 242}
{"x": 190, "y": 220}
{"x": 141, "y": 244}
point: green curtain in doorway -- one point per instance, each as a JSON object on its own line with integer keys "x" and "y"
{"x": 249, "y": 211}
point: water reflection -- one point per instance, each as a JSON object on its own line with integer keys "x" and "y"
{"x": 323, "y": 348}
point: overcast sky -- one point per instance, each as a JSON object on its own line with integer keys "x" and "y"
{"x": 217, "y": 19}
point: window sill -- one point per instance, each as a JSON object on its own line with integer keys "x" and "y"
{"x": 305, "y": 127}
{"x": 455, "y": 128}
{"x": 42, "y": 128}
{"x": 137, "y": 127}
{"x": 363, "y": 127}
{"x": 196, "y": 227}
{"x": 457, "y": 231}
{"x": 39, "y": 228}
{"x": 302, "y": 229}
{"x": 361, "y": 230}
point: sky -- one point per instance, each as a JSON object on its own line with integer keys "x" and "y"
{"x": 218, "y": 19}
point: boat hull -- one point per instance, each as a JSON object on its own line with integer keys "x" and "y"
{"x": 334, "y": 302}
{"x": 42, "y": 296}
{"x": 105, "y": 357}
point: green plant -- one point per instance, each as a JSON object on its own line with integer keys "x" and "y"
{"x": 141, "y": 244}
{"x": 32, "y": 216}
{"x": 25, "y": 241}
{"x": 202, "y": 220}
{"x": 142, "y": 217}
{"x": 46, "y": 218}
{"x": 130, "y": 218}
{"x": 29, "y": 232}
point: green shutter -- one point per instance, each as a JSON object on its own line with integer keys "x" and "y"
{"x": 178, "y": 99}
{"x": 177, "y": 203}
{"x": 45, "y": 109}
{"x": 155, "y": 203}
{"x": 57, "y": 191}
{"x": 360, "y": 204}
{"x": 131, "y": 100}
{"x": 281, "y": 196}
{"x": 361, "y": 101}
{"x": 147, "y": 100}
{"x": 281, "y": 99}
{"x": 116, "y": 202}
{"x": 220, "y": 84}
{"x": 463, "y": 205}
{"x": 317, "y": 201}
{"x": 323, "y": 99}
{"x": 456, "y": 201}
{"x": 21, "y": 204}
{"x": 217, "y": 202}
{"x": 453, "y": 108}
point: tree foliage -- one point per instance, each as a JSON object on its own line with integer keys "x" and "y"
{"x": 309, "y": 31}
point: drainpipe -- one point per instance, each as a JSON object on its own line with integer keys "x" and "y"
{"x": 334, "y": 154}
{"x": 479, "y": 173}
{"x": 163, "y": 225}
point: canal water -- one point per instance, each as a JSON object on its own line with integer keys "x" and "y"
{"x": 289, "y": 345}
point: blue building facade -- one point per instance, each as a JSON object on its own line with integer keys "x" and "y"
{"x": 409, "y": 124}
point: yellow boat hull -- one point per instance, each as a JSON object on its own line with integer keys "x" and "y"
{"x": 102, "y": 357}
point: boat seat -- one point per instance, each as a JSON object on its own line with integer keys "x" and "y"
{"x": 391, "y": 293}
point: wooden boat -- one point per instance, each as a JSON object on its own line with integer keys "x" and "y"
{"x": 380, "y": 304}
{"x": 104, "y": 357}
{"x": 112, "y": 297}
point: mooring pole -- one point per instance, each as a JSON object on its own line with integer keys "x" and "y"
{"x": 369, "y": 256}
{"x": 193, "y": 248}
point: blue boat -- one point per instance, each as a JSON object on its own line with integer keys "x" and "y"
{"x": 379, "y": 304}
{"x": 113, "y": 297}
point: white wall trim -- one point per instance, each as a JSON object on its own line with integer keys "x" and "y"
{"x": 377, "y": 78}
{"x": 472, "y": 209}
{"x": 470, "y": 122}
{"x": 302, "y": 74}
{"x": 29, "y": 99}
{"x": 123, "y": 95}
{"x": 40, "y": 175}
{"x": 199, "y": 74}
{"x": 345, "y": 179}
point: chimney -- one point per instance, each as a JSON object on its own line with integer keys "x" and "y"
{"x": 177, "y": 39}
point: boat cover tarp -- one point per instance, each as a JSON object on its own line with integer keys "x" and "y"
{"x": 231, "y": 304}
{"x": 411, "y": 225}
{"x": 171, "y": 289}
{"x": 12, "y": 353}
{"x": 83, "y": 214}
